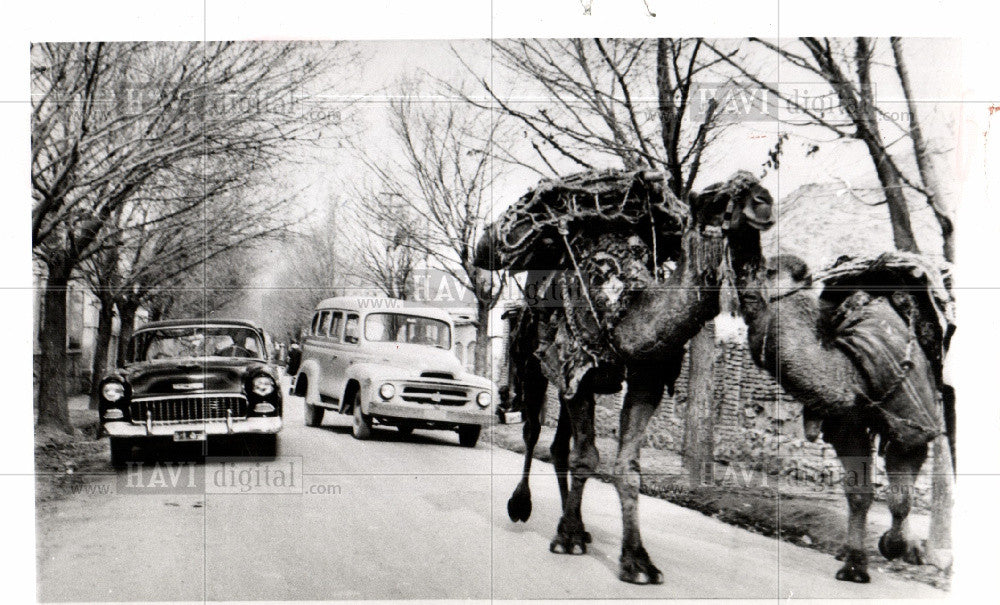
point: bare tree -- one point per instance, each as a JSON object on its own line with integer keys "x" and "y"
{"x": 310, "y": 268}
{"x": 635, "y": 102}
{"x": 109, "y": 119}
{"x": 386, "y": 256}
{"x": 443, "y": 182}
{"x": 846, "y": 67}
{"x": 932, "y": 189}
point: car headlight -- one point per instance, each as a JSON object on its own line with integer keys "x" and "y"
{"x": 387, "y": 391}
{"x": 263, "y": 386}
{"x": 484, "y": 399}
{"x": 112, "y": 391}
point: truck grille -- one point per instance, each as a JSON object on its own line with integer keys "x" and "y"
{"x": 443, "y": 395}
{"x": 203, "y": 408}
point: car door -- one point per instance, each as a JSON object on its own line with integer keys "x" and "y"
{"x": 337, "y": 360}
{"x": 318, "y": 348}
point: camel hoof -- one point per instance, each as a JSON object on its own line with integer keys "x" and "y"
{"x": 519, "y": 506}
{"x": 891, "y": 547}
{"x": 586, "y": 537}
{"x": 571, "y": 539}
{"x": 855, "y": 567}
{"x": 894, "y": 547}
{"x": 636, "y": 568}
{"x": 564, "y": 545}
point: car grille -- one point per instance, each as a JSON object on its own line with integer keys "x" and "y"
{"x": 205, "y": 408}
{"x": 429, "y": 393}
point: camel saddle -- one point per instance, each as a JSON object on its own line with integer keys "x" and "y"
{"x": 902, "y": 390}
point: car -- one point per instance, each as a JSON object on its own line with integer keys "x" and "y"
{"x": 192, "y": 380}
{"x": 390, "y": 362}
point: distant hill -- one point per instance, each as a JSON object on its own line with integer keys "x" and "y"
{"x": 821, "y": 221}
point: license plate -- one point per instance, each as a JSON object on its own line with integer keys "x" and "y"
{"x": 189, "y": 436}
{"x": 512, "y": 417}
{"x": 435, "y": 414}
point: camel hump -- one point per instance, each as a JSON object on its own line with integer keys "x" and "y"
{"x": 900, "y": 383}
{"x": 916, "y": 286}
{"x": 533, "y": 232}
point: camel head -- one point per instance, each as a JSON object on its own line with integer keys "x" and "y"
{"x": 740, "y": 207}
{"x": 780, "y": 276}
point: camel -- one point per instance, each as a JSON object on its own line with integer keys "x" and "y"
{"x": 635, "y": 334}
{"x": 887, "y": 385}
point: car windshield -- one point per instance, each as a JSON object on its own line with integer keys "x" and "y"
{"x": 413, "y": 329}
{"x": 196, "y": 341}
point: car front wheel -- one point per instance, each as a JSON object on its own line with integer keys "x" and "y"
{"x": 468, "y": 436}
{"x": 121, "y": 451}
{"x": 361, "y": 425}
{"x": 314, "y": 415}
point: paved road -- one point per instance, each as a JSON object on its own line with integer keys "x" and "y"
{"x": 396, "y": 517}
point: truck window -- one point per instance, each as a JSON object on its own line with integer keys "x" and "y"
{"x": 337, "y": 325}
{"x": 351, "y": 330}
{"x": 324, "y": 323}
{"x": 315, "y": 323}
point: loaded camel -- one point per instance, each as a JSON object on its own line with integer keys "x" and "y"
{"x": 620, "y": 275}
{"x": 865, "y": 359}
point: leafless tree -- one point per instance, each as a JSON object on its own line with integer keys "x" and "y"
{"x": 442, "y": 181}
{"x": 633, "y": 102}
{"x": 109, "y": 120}
{"x": 846, "y": 66}
{"x": 385, "y": 257}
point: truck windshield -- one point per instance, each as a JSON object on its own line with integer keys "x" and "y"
{"x": 196, "y": 341}
{"x": 413, "y": 329}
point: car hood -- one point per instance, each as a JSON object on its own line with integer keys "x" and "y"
{"x": 414, "y": 358}
{"x": 190, "y": 376}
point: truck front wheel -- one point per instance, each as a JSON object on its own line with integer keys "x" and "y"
{"x": 468, "y": 435}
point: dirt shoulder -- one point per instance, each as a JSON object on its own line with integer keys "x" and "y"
{"x": 64, "y": 463}
{"x": 814, "y": 518}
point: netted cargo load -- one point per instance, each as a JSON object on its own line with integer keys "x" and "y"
{"x": 531, "y": 234}
{"x": 916, "y": 286}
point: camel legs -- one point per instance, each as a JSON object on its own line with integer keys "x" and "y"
{"x": 641, "y": 399}
{"x": 560, "y": 451}
{"x": 902, "y": 469}
{"x": 571, "y": 538}
{"x": 531, "y": 388}
{"x": 853, "y": 447}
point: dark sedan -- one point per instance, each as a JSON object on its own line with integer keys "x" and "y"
{"x": 189, "y": 380}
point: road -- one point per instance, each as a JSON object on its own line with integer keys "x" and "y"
{"x": 399, "y": 517}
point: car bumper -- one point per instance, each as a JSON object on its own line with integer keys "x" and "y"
{"x": 438, "y": 414}
{"x": 243, "y": 426}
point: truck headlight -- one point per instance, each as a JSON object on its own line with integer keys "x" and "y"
{"x": 484, "y": 399}
{"x": 112, "y": 391}
{"x": 263, "y": 386}
{"x": 387, "y": 391}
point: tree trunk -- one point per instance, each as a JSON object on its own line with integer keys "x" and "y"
{"x": 892, "y": 188}
{"x": 928, "y": 176}
{"x": 699, "y": 417}
{"x": 942, "y": 483}
{"x": 52, "y": 407}
{"x": 102, "y": 342}
{"x": 126, "y": 312}
{"x": 482, "y": 362}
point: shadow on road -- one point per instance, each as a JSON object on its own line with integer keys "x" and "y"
{"x": 390, "y": 434}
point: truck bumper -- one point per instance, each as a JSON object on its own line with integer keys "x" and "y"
{"x": 435, "y": 414}
{"x": 243, "y": 426}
